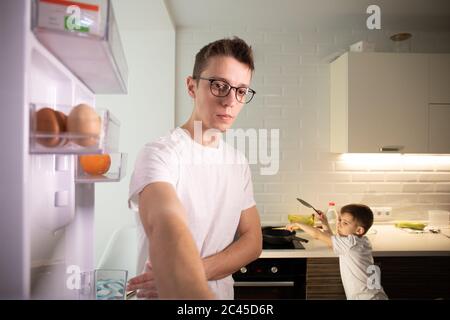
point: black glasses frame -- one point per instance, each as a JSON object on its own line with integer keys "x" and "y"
{"x": 211, "y": 80}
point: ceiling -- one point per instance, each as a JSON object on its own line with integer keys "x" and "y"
{"x": 426, "y": 15}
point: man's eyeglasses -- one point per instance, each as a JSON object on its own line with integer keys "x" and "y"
{"x": 220, "y": 88}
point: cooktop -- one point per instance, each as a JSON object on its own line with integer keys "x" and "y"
{"x": 293, "y": 245}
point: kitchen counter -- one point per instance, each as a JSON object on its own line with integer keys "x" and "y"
{"x": 386, "y": 240}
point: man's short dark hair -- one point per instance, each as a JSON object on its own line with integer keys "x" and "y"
{"x": 234, "y": 47}
{"x": 361, "y": 213}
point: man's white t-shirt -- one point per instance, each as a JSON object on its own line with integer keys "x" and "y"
{"x": 213, "y": 184}
{"x": 355, "y": 258}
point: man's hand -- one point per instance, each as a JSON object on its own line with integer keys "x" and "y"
{"x": 144, "y": 284}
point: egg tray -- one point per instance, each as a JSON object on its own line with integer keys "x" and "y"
{"x": 65, "y": 142}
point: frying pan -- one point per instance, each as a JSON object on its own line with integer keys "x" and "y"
{"x": 273, "y": 235}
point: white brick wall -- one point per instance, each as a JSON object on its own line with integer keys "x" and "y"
{"x": 292, "y": 84}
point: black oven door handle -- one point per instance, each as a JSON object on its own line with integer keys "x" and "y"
{"x": 264, "y": 284}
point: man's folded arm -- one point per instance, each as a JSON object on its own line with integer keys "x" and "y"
{"x": 176, "y": 262}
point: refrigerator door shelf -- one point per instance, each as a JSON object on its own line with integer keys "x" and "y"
{"x": 103, "y": 284}
{"x": 56, "y": 140}
{"x": 85, "y": 38}
{"x": 115, "y": 173}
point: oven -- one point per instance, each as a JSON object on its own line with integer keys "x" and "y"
{"x": 271, "y": 278}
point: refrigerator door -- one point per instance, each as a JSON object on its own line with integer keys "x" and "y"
{"x": 47, "y": 204}
{"x": 47, "y": 220}
{"x": 14, "y": 251}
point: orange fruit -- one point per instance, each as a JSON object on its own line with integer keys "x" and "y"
{"x": 95, "y": 164}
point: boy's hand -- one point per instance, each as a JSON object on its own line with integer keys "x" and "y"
{"x": 325, "y": 225}
{"x": 322, "y": 217}
{"x": 293, "y": 226}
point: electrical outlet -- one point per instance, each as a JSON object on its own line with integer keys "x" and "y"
{"x": 382, "y": 213}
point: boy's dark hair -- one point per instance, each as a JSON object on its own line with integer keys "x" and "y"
{"x": 361, "y": 213}
{"x": 234, "y": 47}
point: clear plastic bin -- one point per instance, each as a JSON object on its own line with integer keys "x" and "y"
{"x": 114, "y": 172}
{"x": 103, "y": 284}
{"x": 50, "y": 138}
{"x": 84, "y": 36}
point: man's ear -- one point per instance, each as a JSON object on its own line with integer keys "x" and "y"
{"x": 360, "y": 230}
{"x": 191, "y": 84}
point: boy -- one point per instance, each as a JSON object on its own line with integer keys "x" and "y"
{"x": 353, "y": 248}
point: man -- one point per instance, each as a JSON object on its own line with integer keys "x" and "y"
{"x": 197, "y": 179}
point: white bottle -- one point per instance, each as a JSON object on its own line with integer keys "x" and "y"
{"x": 332, "y": 216}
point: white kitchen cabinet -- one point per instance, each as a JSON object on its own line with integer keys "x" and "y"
{"x": 379, "y": 103}
{"x": 440, "y": 78}
{"x": 439, "y": 124}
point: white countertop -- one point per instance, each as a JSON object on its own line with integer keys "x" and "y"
{"x": 386, "y": 240}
